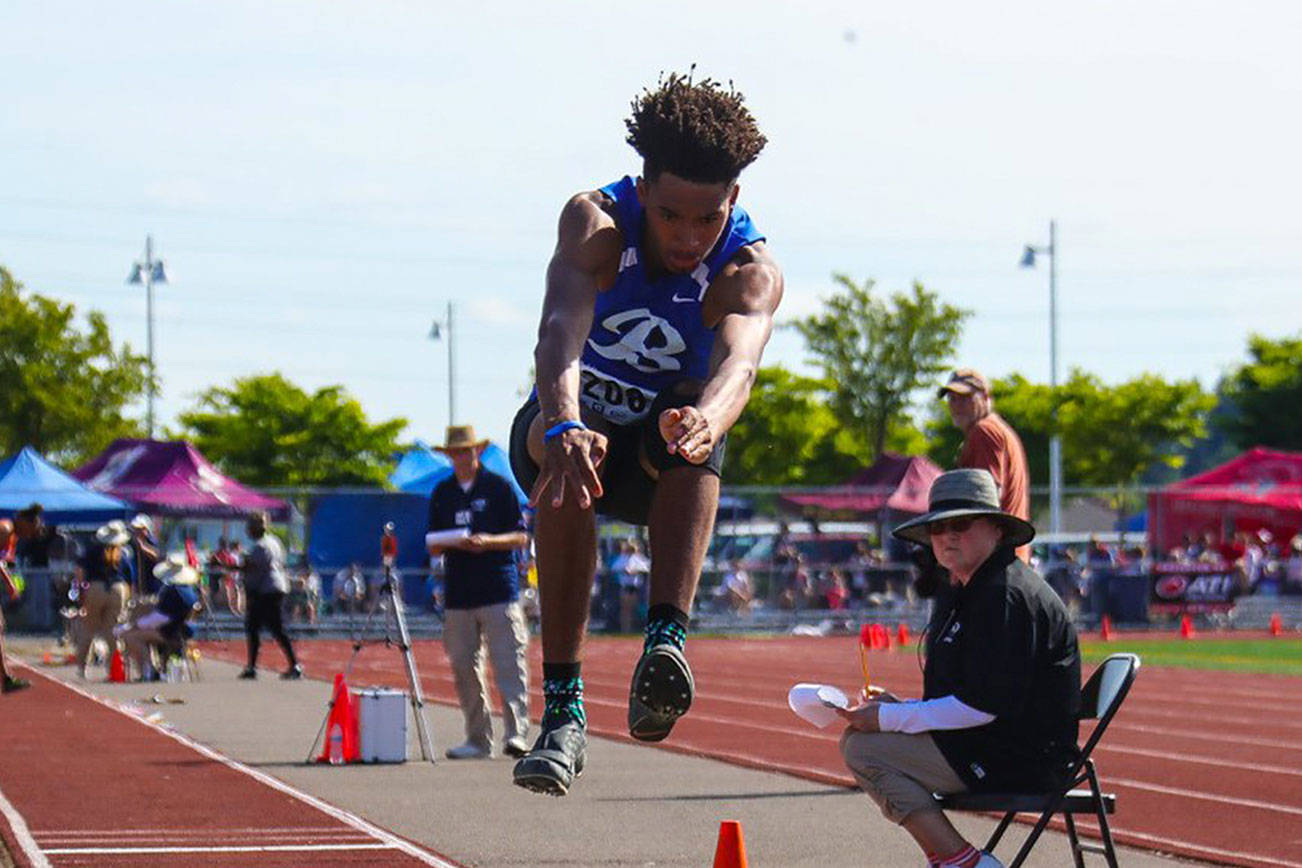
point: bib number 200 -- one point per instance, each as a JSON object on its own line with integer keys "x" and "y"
{"x": 604, "y": 393}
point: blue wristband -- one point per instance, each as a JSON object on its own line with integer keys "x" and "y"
{"x": 560, "y": 428}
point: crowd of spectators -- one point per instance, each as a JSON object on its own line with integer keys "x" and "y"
{"x": 1262, "y": 563}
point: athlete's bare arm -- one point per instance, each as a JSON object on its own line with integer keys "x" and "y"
{"x": 584, "y": 264}
{"x": 739, "y": 306}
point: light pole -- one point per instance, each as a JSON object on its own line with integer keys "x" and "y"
{"x": 1055, "y": 441}
{"x": 436, "y": 332}
{"x": 148, "y": 271}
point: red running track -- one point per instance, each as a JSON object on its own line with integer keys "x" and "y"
{"x": 131, "y": 806}
{"x": 1205, "y": 764}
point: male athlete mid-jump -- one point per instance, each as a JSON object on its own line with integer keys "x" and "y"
{"x": 660, "y": 300}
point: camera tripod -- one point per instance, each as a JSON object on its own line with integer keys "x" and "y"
{"x": 395, "y": 618}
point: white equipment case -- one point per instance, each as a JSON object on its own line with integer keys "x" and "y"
{"x": 382, "y": 721}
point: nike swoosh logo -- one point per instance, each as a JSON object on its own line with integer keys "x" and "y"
{"x": 681, "y": 300}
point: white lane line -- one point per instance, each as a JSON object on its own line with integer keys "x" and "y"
{"x": 269, "y": 848}
{"x": 346, "y": 817}
{"x": 1219, "y": 738}
{"x": 335, "y": 832}
{"x": 24, "y": 837}
{"x": 1200, "y": 760}
{"x": 1208, "y": 797}
{"x": 1188, "y": 847}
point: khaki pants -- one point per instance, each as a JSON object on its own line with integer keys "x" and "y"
{"x": 103, "y": 606}
{"x": 899, "y": 771}
{"x": 465, "y": 633}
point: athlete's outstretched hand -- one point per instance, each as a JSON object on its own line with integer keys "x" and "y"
{"x": 687, "y": 433}
{"x": 569, "y": 467}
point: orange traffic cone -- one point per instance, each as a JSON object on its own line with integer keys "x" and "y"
{"x": 881, "y": 638}
{"x": 1105, "y": 629}
{"x": 1186, "y": 627}
{"x": 902, "y": 635}
{"x": 731, "y": 850}
{"x": 341, "y": 742}
{"x": 117, "y": 669}
{"x": 1276, "y": 624}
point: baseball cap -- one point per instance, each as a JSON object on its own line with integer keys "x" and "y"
{"x": 965, "y": 381}
{"x": 143, "y": 522}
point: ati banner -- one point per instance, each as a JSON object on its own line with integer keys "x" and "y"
{"x": 1193, "y": 588}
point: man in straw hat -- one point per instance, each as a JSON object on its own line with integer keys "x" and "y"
{"x": 165, "y": 626}
{"x": 481, "y": 594}
{"x": 103, "y": 578}
{"x": 660, "y": 299}
{"x": 1001, "y": 685}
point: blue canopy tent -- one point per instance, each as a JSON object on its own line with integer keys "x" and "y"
{"x": 27, "y": 478}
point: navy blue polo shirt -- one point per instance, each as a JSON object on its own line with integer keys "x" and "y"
{"x": 1004, "y": 644}
{"x": 474, "y": 579}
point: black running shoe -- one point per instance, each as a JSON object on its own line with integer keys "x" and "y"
{"x": 661, "y": 692}
{"x": 293, "y": 673}
{"x": 249, "y": 673}
{"x": 555, "y": 761}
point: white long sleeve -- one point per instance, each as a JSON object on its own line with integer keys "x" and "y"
{"x": 923, "y": 715}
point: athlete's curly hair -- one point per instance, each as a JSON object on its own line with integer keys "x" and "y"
{"x": 698, "y": 131}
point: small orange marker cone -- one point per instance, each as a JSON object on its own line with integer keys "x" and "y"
{"x": 1186, "y": 627}
{"x": 1276, "y": 624}
{"x": 341, "y": 724}
{"x": 1105, "y": 629}
{"x": 902, "y": 635}
{"x": 881, "y": 638}
{"x": 731, "y": 850}
{"x": 117, "y": 669}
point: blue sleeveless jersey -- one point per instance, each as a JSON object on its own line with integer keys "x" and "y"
{"x": 648, "y": 334}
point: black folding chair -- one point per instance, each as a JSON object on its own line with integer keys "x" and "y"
{"x": 1100, "y": 698}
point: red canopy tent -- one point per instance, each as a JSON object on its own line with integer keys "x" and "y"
{"x": 1259, "y": 489}
{"x": 172, "y": 478}
{"x": 895, "y": 483}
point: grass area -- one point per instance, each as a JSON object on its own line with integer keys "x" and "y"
{"x": 1278, "y": 656}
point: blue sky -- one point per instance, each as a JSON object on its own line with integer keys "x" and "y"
{"x": 322, "y": 178}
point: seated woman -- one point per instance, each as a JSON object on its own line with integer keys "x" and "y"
{"x": 165, "y": 626}
{"x": 1001, "y": 684}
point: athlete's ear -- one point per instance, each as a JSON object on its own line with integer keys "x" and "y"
{"x": 641, "y": 187}
{"x": 732, "y": 198}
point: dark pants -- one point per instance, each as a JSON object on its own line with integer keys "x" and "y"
{"x": 264, "y": 611}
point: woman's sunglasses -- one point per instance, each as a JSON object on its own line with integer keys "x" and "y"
{"x": 957, "y": 525}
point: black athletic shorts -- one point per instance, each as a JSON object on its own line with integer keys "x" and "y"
{"x": 626, "y": 485}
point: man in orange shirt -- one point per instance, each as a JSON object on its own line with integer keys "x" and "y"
{"x": 989, "y": 442}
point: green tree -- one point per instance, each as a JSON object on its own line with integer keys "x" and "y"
{"x": 878, "y": 352}
{"x": 788, "y": 435}
{"x": 1266, "y": 392}
{"x": 65, "y": 390}
{"x": 264, "y": 430}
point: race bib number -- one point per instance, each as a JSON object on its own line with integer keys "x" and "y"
{"x": 615, "y": 400}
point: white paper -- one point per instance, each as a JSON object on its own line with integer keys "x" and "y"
{"x": 814, "y": 703}
{"x": 446, "y": 537}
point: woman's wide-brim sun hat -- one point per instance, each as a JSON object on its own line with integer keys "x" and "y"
{"x": 114, "y": 533}
{"x": 965, "y": 492}
{"x": 175, "y": 571}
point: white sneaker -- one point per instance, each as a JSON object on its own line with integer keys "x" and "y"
{"x": 469, "y": 750}
{"x": 515, "y": 747}
{"x": 988, "y": 861}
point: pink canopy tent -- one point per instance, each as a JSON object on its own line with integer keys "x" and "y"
{"x": 1260, "y": 489}
{"x": 895, "y": 483}
{"x": 172, "y": 478}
